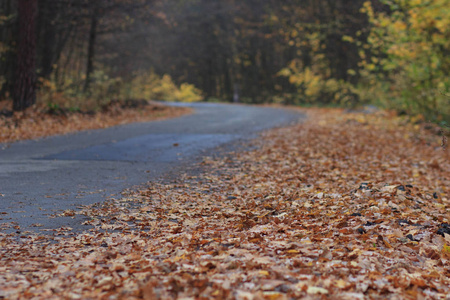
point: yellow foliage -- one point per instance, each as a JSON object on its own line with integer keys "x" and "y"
{"x": 148, "y": 86}
{"x": 446, "y": 250}
{"x": 151, "y": 86}
{"x": 411, "y": 43}
{"x": 188, "y": 93}
{"x": 164, "y": 89}
{"x": 316, "y": 85}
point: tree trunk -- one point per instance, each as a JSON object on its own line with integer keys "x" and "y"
{"x": 24, "y": 93}
{"x": 8, "y": 36}
{"x": 47, "y": 36}
{"x": 91, "y": 49}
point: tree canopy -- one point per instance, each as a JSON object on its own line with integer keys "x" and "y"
{"x": 293, "y": 52}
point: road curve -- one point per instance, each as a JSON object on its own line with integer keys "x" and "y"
{"x": 43, "y": 177}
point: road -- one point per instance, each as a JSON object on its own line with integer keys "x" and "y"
{"x": 40, "y": 178}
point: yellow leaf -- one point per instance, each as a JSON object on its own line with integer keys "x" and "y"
{"x": 273, "y": 295}
{"x": 293, "y": 251}
{"x": 446, "y": 249}
{"x": 438, "y": 205}
{"x": 341, "y": 284}
{"x": 316, "y": 290}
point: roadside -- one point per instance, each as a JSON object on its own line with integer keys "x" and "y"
{"x": 38, "y": 122}
{"x": 343, "y": 206}
{"x": 44, "y": 177}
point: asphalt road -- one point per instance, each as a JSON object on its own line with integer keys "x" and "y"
{"x": 44, "y": 177}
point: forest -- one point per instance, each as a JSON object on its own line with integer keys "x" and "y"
{"x": 324, "y": 173}
{"x": 81, "y": 54}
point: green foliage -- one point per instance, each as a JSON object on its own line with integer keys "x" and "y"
{"x": 406, "y": 62}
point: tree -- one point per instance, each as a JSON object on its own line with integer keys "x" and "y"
{"x": 91, "y": 46}
{"x": 406, "y": 62}
{"x": 24, "y": 91}
{"x": 8, "y": 35}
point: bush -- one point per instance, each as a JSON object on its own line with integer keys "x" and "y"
{"x": 70, "y": 96}
{"x": 151, "y": 86}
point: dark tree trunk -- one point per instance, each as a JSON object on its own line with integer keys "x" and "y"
{"x": 91, "y": 48}
{"x": 24, "y": 93}
{"x": 8, "y": 36}
{"x": 47, "y": 31}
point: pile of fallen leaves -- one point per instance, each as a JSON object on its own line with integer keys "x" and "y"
{"x": 343, "y": 206}
{"x": 38, "y": 121}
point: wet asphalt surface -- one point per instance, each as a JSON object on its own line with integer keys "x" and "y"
{"x": 42, "y": 178}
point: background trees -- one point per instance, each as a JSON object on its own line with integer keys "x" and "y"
{"x": 295, "y": 51}
{"x": 24, "y": 87}
{"x": 406, "y": 63}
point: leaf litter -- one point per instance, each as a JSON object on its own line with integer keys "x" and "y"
{"x": 39, "y": 121}
{"x": 342, "y": 206}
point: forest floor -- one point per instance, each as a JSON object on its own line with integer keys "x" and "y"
{"x": 341, "y": 206}
{"x": 42, "y": 121}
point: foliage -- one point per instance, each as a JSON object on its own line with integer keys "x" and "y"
{"x": 313, "y": 87}
{"x": 148, "y": 85}
{"x": 405, "y": 62}
{"x": 319, "y": 69}
{"x": 188, "y": 93}
{"x": 388, "y": 52}
{"x": 69, "y": 95}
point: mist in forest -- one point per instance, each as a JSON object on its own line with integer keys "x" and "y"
{"x": 252, "y": 51}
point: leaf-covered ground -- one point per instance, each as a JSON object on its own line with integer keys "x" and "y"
{"x": 38, "y": 122}
{"x": 343, "y": 206}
